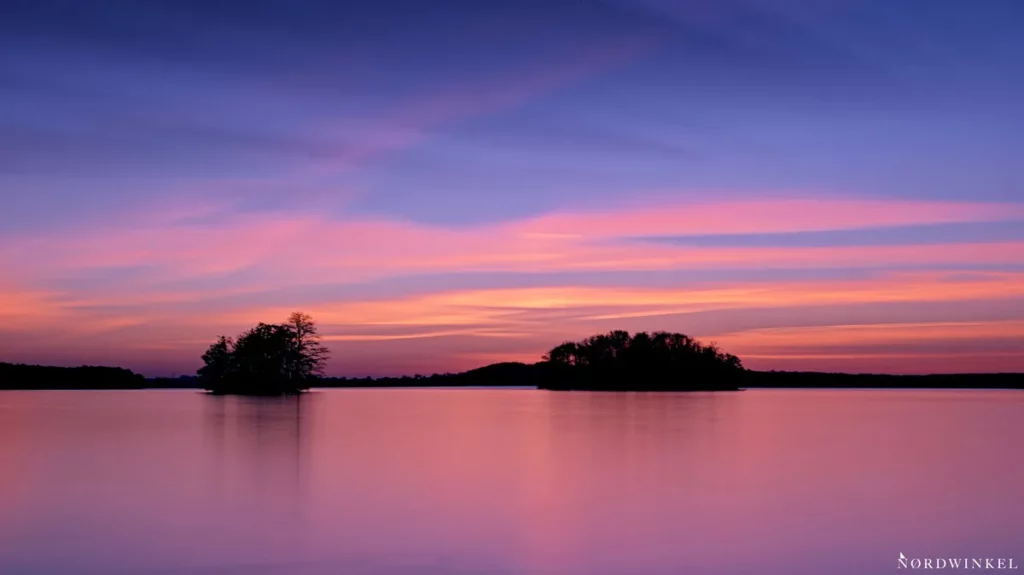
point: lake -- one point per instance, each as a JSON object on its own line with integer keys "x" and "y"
{"x": 447, "y": 481}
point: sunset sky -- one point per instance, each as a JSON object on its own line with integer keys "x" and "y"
{"x": 442, "y": 184}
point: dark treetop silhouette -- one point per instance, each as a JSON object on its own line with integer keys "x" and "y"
{"x": 20, "y": 376}
{"x": 660, "y": 361}
{"x": 269, "y": 359}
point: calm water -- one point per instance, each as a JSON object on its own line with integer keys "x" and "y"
{"x": 511, "y": 481}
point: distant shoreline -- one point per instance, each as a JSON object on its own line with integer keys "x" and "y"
{"x": 501, "y": 375}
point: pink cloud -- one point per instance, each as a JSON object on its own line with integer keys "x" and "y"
{"x": 292, "y": 250}
{"x": 409, "y": 122}
{"x": 757, "y": 215}
{"x": 503, "y": 308}
{"x": 774, "y": 340}
{"x": 302, "y": 249}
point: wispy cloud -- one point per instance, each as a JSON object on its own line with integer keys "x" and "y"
{"x": 933, "y": 347}
{"x": 243, "y": 256}
{"x": 304, "y": 248}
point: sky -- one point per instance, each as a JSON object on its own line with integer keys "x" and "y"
{"x": 813, "y": 185}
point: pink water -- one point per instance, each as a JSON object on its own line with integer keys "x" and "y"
{"x": 507, "y": 482}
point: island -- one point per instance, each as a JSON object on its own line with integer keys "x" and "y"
{"x": 661, "y": 361}
{"x": 269, "y": 359}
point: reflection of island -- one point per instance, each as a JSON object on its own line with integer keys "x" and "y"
{"x": 260, "y": 447}
{"x": 645, "y": 445}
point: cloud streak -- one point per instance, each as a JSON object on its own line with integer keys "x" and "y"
{"x": 304, "y": 248}
{"x": 127, "y": 303}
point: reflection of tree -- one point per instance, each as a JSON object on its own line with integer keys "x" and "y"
{"x": 260, "y": 447}
{"x": 603, "y": 467}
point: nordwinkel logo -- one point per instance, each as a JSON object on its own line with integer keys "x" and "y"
{"x": 956, "y": 563}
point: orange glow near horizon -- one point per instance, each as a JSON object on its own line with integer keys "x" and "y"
{"x": 186, "y": 282}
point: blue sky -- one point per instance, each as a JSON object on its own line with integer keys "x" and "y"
{"x": 171, "y": 171}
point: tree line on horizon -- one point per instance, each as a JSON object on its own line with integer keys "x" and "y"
{"x": 17, "y": 376}
{"x": 275, "y": 359}
{"x": 24, "y": 376}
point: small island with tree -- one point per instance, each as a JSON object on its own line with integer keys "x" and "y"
{"x": 269, "y": 359}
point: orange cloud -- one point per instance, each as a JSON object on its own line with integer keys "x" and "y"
{"x": 929, "y": 347}
{"x": 769, "y": 340}
{"x": 280, "y": 251}
{"x": 505, "y": 307}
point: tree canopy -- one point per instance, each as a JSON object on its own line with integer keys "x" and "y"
{"x": 269, "y": 359}
{"x": 661, "y": 360}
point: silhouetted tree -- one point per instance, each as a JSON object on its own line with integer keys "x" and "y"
{"x": 565, "y": 354}
{"x": 310, "y": 354}
{"x": 263, "y": 356}
{"x": 269, "y": 359}
{"x": 217, "y": 360}
{"x": 644, "y": 361}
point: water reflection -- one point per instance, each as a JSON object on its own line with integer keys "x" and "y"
{"x": 259, "y": 447}
{"x": 436, "y": 482}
